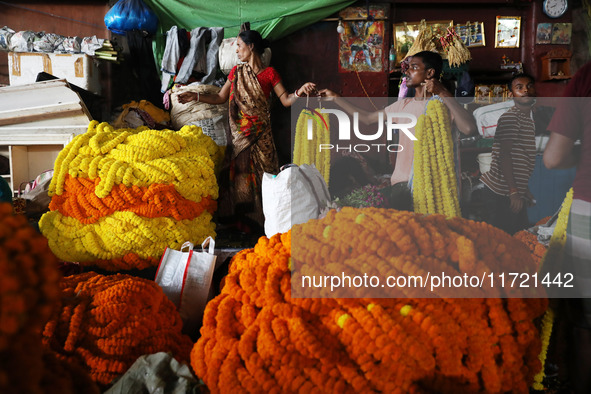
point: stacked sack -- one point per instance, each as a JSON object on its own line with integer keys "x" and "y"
{"x": 121, "y": 197}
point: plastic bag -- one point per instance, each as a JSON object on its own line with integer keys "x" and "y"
{"x": 47, "y": 42}
{"x": 185, "y": 278}
{"x": 294, "y": 196}
{"x": 5, "y": 35}
{"x": 91, "y": 44}
{"x": 129, "y": 15}
{"x": 69, "y": 45}
{"x": 22, "y": 41}
{"x": 228, "y": 57}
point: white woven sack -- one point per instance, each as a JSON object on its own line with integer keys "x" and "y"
{"x": 228, "y": 58}
{"x": 488, "y": 116}
{"x": 294, "y": 196}
{"x": 212, "y": 118}
{"x": 185, "y": 278}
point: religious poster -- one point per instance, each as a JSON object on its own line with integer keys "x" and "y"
{"x": 361, "y": 45}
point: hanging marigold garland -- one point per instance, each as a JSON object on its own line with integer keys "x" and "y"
{"x": 553, "y": 256}
{"x": 256, "y": 337}
{"x": 307, "y": 151}
{"x": 120, "y": 197}
{"x": 434, "y": 181}
{"x": 29, "y": 289}
{"x": 106, "y": 322}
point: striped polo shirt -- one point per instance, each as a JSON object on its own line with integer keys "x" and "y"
{"x": 518, "y": 127}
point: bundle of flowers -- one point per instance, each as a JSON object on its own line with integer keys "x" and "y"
{"x": 121, "y": 197}
{"x": 257, "y": 338}
{"x": 537, "y": 249}
{"x": 435, "y": 187}
{"x": 105, "y": 323}
{"x": 29, "y": 289}
{"x": 364, "y": 197}
{"x": 306, "y": 146}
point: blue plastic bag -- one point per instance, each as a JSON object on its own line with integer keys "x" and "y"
{"x": 129, "y": 15}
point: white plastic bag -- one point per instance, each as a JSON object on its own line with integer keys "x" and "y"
{"x": 294, "y": 196}
{"x": 488, "y": 116}
{"x": 228, "y": 58}
{"x": 185, "y": 278}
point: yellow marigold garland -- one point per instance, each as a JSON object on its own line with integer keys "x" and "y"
{"x": 307, "y": 151}
{"x": 114, "y": 236}
{"x": 105, "y": 323}
{"x": 553, "y": 254}
{"x": 256, "y": 337}
{"x": 434, "y": 181}
{"x": 140, "y": 157}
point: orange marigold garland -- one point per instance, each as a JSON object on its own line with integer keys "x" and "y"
{"x": 29, "y": 290}
{"x": 106, "y": 322}
{"x": 256, "y": 337}
{"x": 531, "y": 241}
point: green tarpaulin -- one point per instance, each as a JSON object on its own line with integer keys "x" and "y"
{"x": 272, "y": 18}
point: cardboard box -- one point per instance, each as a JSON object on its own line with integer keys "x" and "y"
{"x": 77, "y": 69}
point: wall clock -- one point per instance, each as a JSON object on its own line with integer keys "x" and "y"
{"x": 555, "y": 8}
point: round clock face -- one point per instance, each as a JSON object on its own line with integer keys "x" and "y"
{"x": 555, "y": 8}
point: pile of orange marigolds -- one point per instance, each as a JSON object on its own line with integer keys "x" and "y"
{"x": 256, "y": 337}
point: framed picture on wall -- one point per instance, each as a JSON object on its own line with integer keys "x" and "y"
{"x": 544, "y": 33}
{"x": 361, "y": 46}
{"x": 561, "y": 33}
{"x": 464, "y": 33}
{"x": 507, "y": 31}
{"x": 476, "y": 34}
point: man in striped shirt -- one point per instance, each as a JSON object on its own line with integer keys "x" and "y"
{"x": 506, "y": 194}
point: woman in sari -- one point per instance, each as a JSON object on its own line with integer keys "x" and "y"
{"x": 252, "y": 151}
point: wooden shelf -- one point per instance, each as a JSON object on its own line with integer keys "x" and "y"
{"x": 36, "y": 122}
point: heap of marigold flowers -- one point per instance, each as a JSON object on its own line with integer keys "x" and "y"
{"x": 105, "y": 323}
{"x": 121, "y": 197}
{"x": 257, "y": 338}
{"x": 537, "y": 249}
{"x": 29, "y": 289}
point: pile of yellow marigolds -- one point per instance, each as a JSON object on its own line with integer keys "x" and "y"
{"x": 120, "y": 197}
{"x": 256, "y": 337}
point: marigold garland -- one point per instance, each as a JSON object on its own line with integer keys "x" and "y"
{"x": 105, "y": 323}
{"x": 116, "y": 235}
{"x": 553, "y": 256}
{"x": 158, "y": 200}
{"x": 121, "y": 197}
{"x": 256, "y": 337}
{"x": 140, "y": 157}
{"x": 29, "y": 289}
{"x": 307, "y": 151}
{"x": 434, "y": 179}
{"x": 531, "y": 241}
